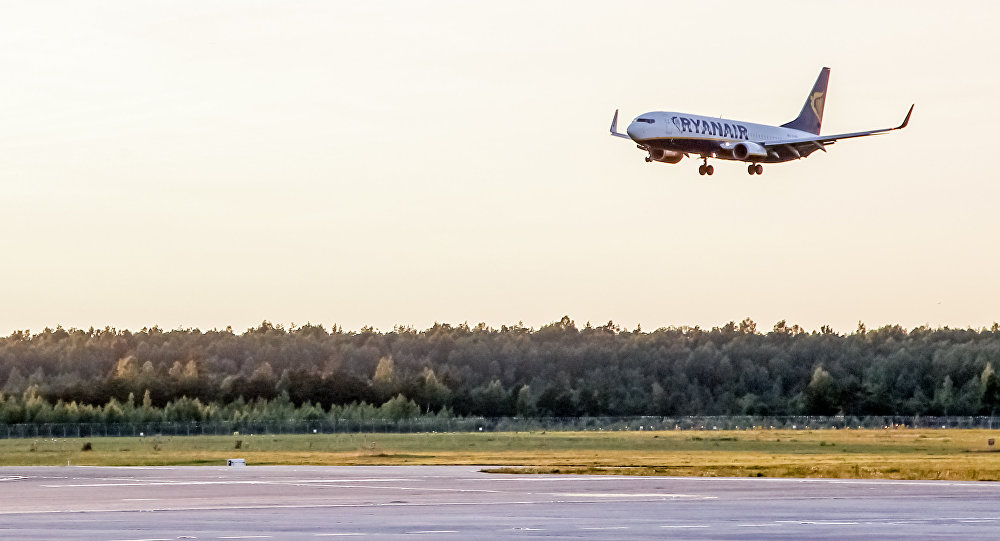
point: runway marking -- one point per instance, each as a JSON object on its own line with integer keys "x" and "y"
{"x": 966, "y": 484}
{"x": 140, "y": 499}
{"x": 158, "y": 483}
{"x": 13, "y": 478}
{"x": 348, "y": 534}
{"x": 415, "y": 488}
{"x": 288, "y": 506}
{"x": 631, "y": 495}
{"x": 153, "y": 539}
{"x": 686, "y": 526}
{"x": 131, "y": 467}
{"x": 519, "y": 480}
{"x": 246, "y": 537}
{"x": 370, "y": 480}
{"x": 435, "y": 531}
{"x": 132, "y": 483}
{"x": 817, "y": 522}
{"x": 606, "y": 528}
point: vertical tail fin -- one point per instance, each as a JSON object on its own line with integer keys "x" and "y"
{"x": 811, "y": 117}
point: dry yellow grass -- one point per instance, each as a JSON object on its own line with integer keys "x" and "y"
{"x": 890, "y": 454}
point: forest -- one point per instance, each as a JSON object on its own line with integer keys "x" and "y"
{"x": 558, "y": 370}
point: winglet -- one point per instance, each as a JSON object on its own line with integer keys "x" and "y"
{"x": 907, "y": 119}
{"x": 614, "y": 127}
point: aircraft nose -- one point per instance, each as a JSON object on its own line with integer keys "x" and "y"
{"x": 633, "y": 131}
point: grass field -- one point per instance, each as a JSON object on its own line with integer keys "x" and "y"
{"x": 882, "y": 454}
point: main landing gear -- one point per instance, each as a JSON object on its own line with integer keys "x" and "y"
{"x": 755, "y": 169}
{"x": 705, "y": 169}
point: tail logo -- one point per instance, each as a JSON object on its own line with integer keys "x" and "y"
{"x": 816, "y": 102}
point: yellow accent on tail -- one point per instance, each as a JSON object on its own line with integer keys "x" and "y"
{"x": 816, "y": 101}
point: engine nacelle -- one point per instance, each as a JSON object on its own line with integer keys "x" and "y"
{"x": 665, "y": 156}
{"x": 747, "y": 151}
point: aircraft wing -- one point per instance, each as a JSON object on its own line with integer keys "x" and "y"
{"x": 819, "y": 141}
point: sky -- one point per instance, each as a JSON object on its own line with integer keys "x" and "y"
{"x": 203, "y": 164}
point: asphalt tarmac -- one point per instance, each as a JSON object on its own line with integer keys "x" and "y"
{"x": 459, "y": 502}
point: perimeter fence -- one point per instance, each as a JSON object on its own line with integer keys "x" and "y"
{"x": 485, "y": 424}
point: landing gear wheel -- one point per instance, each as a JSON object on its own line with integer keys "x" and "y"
{"x": 752, "y": 169}
{"x": 704, "y": 168}
{"x": 759, "y": 169}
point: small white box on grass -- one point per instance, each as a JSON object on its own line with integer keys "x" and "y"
{"x": 237, "y": 462}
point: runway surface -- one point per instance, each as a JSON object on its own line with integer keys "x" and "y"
{"x": 459, "y": 502}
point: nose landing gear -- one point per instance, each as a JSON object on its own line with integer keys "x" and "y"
{"x": 755, "y": 169}
{"x": 705, "y": 169}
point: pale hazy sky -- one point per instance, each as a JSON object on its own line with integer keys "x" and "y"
{"x": 207, "y": 163}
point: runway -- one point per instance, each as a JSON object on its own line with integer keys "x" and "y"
{"x": 459, "y": 502}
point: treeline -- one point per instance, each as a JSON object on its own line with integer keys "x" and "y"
{"x": 32, "y": 408}
{"x": 559, "y": 370}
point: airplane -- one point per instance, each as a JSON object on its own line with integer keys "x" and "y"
{"x": 669, "y": 137}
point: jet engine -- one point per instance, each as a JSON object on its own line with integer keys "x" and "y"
{"x": 748, "y": 151}
{"x": 665, "y": 156}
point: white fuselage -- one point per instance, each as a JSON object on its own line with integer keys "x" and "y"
{"x": 708, "y": 136}
{"x": 670, "y": 137}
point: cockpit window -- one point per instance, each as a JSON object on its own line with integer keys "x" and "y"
{"x": 646, "y": 120}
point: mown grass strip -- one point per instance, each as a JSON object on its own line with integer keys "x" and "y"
{"x": 863, "y": 454}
